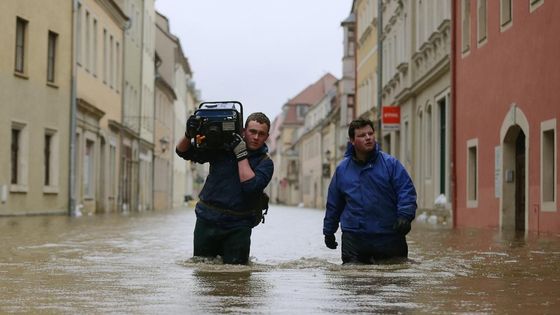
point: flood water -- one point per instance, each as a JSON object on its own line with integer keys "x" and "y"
{"x": 141, "y": 263}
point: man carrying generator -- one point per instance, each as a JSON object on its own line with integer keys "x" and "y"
{"x": 231, "y": 201}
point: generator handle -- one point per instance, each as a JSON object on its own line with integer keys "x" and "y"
{"x": 215, "y": 104}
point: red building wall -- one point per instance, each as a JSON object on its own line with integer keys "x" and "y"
{"x": 520, "y": 65}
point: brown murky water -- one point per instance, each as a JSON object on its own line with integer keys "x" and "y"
{"x": 141, "y": 263}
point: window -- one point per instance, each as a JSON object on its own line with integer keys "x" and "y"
{"x": 79, "y": 32}
{"x": 472, "y": 173}
{"x": 465, "y": 25}
{"x": 429, "y": 159}
{"x": 505, "y": 12}
{"x": 88, "y": 42}
{"x": 51, "y": 57}
{"x": 94, "y": 51}
{"x": 15, "y": 156}
{"x": 549, "y": 168}
{"x": 21, "y": 38}
{"x": 18, "y": 157}
{"x": 482, "y": 20}
{"x": 111, "y": 77}
{"x": 534, "y": 4}
{"x": 105, "y": 56}
{"x": 88, "y": 169}
{"x": 442, "y": 129}
{"x": 47, "y": 159}
{"x": 118, "y": 66}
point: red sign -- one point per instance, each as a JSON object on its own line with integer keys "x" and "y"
{"x": 391, "y": 117}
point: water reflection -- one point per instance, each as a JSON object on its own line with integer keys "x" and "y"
{"x": 141, "y": 263}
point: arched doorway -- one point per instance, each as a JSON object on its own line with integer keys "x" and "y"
{"x": 514, "y": 205}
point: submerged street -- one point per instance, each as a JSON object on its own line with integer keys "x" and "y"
{"x": 141, "y": 263}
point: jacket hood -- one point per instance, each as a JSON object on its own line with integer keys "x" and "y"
{"x": 351, "y": 153}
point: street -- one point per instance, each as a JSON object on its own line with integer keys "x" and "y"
{"x": 141, "y": 263}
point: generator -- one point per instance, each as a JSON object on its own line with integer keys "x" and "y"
{"x": 216, "y": 123}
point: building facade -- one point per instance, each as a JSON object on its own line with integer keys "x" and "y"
{"x": 416, "y": 41}
{"x": 101, "y": 155}
{"x": 505, "y": 85}
{"x": 35, "y": 76}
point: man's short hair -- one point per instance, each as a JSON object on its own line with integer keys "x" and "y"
{"x": 258, "y": 117}
{"x": 357, "y": 124}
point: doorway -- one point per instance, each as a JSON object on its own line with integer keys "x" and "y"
{"x": 514, "y": 205}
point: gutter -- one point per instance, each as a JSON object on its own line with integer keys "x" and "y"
{"x": 453, "y": 106}
{"x": 73, "y": 108}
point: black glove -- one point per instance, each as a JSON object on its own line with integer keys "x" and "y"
{"x": 239, "y": 147}
{"x": 193, "y": 123}
{"x": 330, "y": 241}
{"x": 402, "y": 225}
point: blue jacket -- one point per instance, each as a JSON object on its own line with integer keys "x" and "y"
{"x": 368, "y": 197}
{"x": 224, "y": 190}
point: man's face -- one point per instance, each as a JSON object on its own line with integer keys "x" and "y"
{"x": 364, "y": 139}
{"x": 255, "y": 135}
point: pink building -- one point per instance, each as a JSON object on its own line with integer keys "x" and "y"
{"x": 506, "y": 91}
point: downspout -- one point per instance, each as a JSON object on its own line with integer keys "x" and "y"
{"x": 139, "y": 112}
{"x": 73, "y": 109}
{"x": 379, "y": 66}
{"x": 453, "y": 112}
{"x": 123, "y": 106}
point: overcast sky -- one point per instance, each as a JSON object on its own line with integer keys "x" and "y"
{"x": 259, "y": 52}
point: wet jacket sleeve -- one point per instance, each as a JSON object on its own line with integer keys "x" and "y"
{"x": 405, "y": 192}
{"x": 263, "y": 175}
{"x": 194, "y": 155}
{"x": 335, "y": 205}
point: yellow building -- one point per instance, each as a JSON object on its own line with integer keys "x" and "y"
{"x": 101, "y": 154}
{"x": 35, "y": 76}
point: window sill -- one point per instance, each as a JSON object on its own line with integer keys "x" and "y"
{"x": 472, "y": 203}
{"x": 549, "y": 206}
{"x": 52, "y": 84}
{"x": 21, "y": 75}
{"x": 50, "y": 190}
{"x": 14, "y": 188}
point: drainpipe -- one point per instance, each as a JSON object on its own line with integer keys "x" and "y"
{"x": 73, "y": 109}
{"x": 379, "y": 66}
{"x": 453, "y": 112}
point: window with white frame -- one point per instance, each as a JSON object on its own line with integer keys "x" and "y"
{"x": 18, "y": 157}
{"x": 506, "y": 14}
{"x": 549, "y": 167}
{"x": 482, "y": 21}
{"x": 472, "y": 173}
{"x": 465, "y": 25}
{"x": 51, "y": 57}
{"x": 21, "y": 43}
{"x": 534, "y": 4}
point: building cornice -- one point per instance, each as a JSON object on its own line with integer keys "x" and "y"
{"x": 115, "y": 12}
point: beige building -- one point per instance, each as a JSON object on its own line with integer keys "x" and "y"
{"x": 182, "y": 173}
{"x": 131, "y": 96}
{"x": 35, "y": 76}
{"x": 146, "y": 121}
{"x": 285, "y": 181}
{"x": 416, "y": 77}
{"x": 365, "y": 12}
{"x": 168, "y": 59}
{"x": 314, "y": 140}
{"x": 102, "y": 154}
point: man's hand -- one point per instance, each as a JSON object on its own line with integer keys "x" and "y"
{"x": 239, "y": 147}
{"x": 193, "y": 124}
{"x": 330, "y": 241}
{"x": 402, "y": 226}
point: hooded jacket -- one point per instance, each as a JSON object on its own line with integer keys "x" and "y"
{"x": 367, "y": 197}
{"x": 224, "y": 190}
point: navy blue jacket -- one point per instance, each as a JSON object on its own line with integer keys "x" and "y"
{"x": 367, "y": 197}
{"x": 224, "y": 190}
